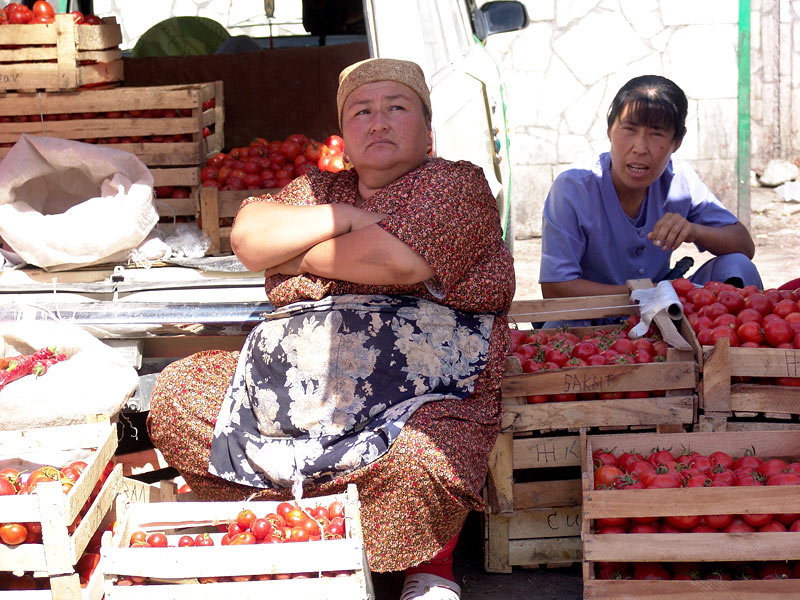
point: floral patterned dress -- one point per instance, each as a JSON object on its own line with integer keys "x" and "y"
{"x": 430, "y": 462}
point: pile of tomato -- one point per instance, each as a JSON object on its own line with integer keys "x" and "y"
{"x": 289, "y": 523}
{"x": 748, "y": 317}
{"x": 263, "y": 164}
{"x": 661, "y": 469}
{"x": 15, "y": 13}
{"x": 543, "y": 351}
{"x": 13, "y": 483}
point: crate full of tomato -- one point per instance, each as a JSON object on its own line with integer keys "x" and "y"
{"x": 685, "y": 515}
{"x": 307, "y": 549}
{"x": 57, "y": 484}
{"x": 556, "y": 381}
{"x": 750, "y": 364}
{"x": 259, "y": 168}
{"x": 41, "y": 50}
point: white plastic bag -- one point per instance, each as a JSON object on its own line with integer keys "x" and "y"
{"x": 65, "y": 204}
{"x": 95, "y": 378}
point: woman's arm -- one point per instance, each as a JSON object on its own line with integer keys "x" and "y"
{"x": 266, "y": 234}
{"x": 580, "y": 287}
{"x": 672, "y": 230}
{"x": 369, "y": 255}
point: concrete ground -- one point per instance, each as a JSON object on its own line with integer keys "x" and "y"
{"x": 477, "y": 584}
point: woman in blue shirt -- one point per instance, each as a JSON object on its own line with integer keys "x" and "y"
{"x": 621, "y": 216}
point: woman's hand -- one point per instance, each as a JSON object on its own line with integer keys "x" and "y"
{"x": 671, "y": 231}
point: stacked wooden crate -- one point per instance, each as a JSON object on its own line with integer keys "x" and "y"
{"x": 530, "y": 523}
{"x": 172, "y": 129}
{"x": 331, "y": 568}
{"x": 731, "y": 396}
{"x": 62, "y": 546}
{"x": 60, "y": 56}
{"x": 723, "y": 550}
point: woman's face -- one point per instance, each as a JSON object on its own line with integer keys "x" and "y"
{"x": 385, "y": 131}
{"x": 639, "y": 155}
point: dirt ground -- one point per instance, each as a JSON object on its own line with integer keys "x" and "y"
{"x": 774, "y": 225}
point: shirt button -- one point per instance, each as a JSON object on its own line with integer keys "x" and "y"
{"x": 639, "y": 251}
{"x": 641, "y": 233}
{"x": 641, "y": 271}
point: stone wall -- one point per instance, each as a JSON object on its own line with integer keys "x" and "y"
{"x": 564, "y": 69}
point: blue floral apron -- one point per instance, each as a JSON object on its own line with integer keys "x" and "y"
{"x": 323, "y": 388}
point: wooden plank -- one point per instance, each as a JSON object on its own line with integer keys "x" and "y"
{"x": 690, "y": 547}
{"x": 604, "y": 378}
{"x": 765, "y": 362}
{"x": 765, "y": 398}
{"x": 542, "y": 494}
{"x": 690, "y": 501}
{"x": 500, "y": 475}
{"x": 545, "y": 551}
{"x": 716, "y": 391}
{"x": 546, "y": 452}
{"x": 496, "y": 543}
{"x": 583, "y": 307}
{"x": 594, "y": 413}
{"x": 559, "y": 521}
{"x": 209, "y": 213}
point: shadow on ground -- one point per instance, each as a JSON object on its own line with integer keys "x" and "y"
{"x": 477, "y": 584}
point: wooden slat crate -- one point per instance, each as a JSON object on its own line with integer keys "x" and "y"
{"x": 177, "y": 569}
{"x": 82, "y": 115}
{"x": 689, "y": 547}
{"x": 59, "y": 551}
{"x": 722, "y": 400}
{"x": 216, "y": 205}
{"x": 60, "y": 56}
{"x": 518, "y": 446}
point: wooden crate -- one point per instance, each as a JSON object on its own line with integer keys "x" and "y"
{"x": 510, "y": 504}
{"x": 722, "y": 400}
{"x": 80, "y": 115}
{"x": 60, "y": 56}
{"x": 689, "y": 547}
{"x": 216, "y": 206}
{"x": 177, "y": 569}
{"x": 59, "y": 551}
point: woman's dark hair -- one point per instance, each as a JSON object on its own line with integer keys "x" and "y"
{"x": 654, "y": 101}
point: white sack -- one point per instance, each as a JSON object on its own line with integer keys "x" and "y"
{"x": 95, "y": 379}
{"x": 65, "y": 204}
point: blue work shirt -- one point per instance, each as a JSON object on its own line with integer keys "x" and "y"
{"x": 586, "y": 234}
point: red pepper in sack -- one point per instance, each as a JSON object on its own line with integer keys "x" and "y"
{"x": 20, "y": 366}
{"x": 40, "y": 366}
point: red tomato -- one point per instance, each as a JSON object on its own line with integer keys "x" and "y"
{"x": 245, "y": 518}
{"x": 737, "y": 525}
{"x": 718, "y": 521}
{"x": 750, "y": 331}
{"x": 260, "y": 528}
{"x": 777, "y": 332}
{"x": 203, "y": 539}
{"x": 335, "y": 509}
{"x": 244, "y": 538}
{"x": 604, "y": 457}
{"x": 650, "y": 571}
{"x": 732, "y": 301}
{"x": 20, "y": 16}
{"x": 684, "y": 523}
{"x": 46, "y": 473}
{"x": 294, "y": 517}
{"x": 41, "y": 8}
{"x": 92, "y": 20}
{"x": 157, "y": 540}
{"x": 335, "y": 164}
{"x": 77, "y": 16}
{"x": 335, "y": 143}
{"x": 784, "y": 479}
{"x": 290, "y": 149}
{"x": 659, "y": 457}
{"x": 138, "y": 537}
{"x": 759, "y": 302}
{"x": 605, "y": 476}
{"x": 682, "y": 286}
{"x": 185, "y": 541}
{"x": 663, "y": 481}
{"x": 13, "y": 534}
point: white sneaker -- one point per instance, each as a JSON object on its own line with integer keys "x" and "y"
{"x": 425, "y": 586}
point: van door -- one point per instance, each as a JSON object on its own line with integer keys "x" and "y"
{"x": 466, "y": 90}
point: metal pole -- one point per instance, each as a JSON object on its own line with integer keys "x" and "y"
{"x": 743, "y": 146}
